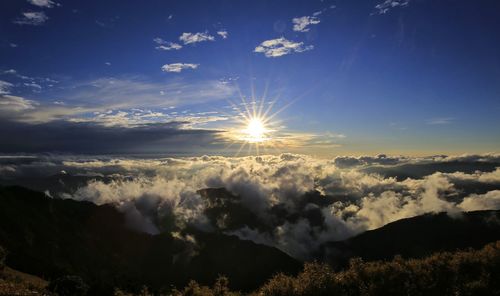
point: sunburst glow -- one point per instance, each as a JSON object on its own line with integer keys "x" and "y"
{"x": 256, "y": 126}
{"x": 255, "y": 131}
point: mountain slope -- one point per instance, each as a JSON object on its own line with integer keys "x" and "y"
{"x": 52, "y": 237}
{"x": 417, "y": 237}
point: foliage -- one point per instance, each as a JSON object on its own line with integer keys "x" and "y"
{"x": 144, "y": 292}
{"x": 463, "y": 273}
{"x": 220, "y": 288}
{"x": 69, "y": 285}
{"x": 460, "y": 273}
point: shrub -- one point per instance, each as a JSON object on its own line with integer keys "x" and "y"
{"x": 193, "y": 289}
{"x": 69, "y": 285}
{"x": 144, "y": 292}
{"x": 280, "y": 284}
{"x": 460, "y": 273}
{"x": 220, "y": 288}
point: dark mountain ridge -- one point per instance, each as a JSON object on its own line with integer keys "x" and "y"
{"x": 53, "y": 237}
{"x": 417, "y": 237}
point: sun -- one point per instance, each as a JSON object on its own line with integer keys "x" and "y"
{"x": 255, "y": 125}
{"x": 255, "y": 131}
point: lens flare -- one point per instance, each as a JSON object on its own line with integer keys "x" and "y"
{"x": 255, "y": 123}
{"x": 255, "y": 131}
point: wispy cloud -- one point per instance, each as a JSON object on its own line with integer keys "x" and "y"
{"x": 10, "y": 104}
{"x": 439, "y": 121}
{"x": 120, "y": 93}
{"x": 319, "y": 12}
{"x": 44, "y": 3}
{"x": 301, "y": 24}
{"x": 83, "y": 98}
{"x": 14, "y": 73}
{"x": 178, "y": 67}
{"x": 166, "y": 45}
{"x": 384, "y": 7}
{"x": 107, "y": 22}
{"x": 37, "y": 83}
{"x": 223, "y": 33}
{"x": 5, "y": 87}
{"x": 280, "y": 47}
{"x": 136, "y": 117}
{"x": 191, "y": 38}
{"x": 33, "y": 85}
{"x": 32, "y": 18}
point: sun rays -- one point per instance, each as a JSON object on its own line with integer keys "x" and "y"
{"x": 256, "y": 128}
{"x": 256, "y": 131}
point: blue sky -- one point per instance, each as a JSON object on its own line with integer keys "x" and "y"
{"x": 347, "y": 77}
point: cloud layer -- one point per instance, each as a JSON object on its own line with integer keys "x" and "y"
{"x": 293, "y": 202}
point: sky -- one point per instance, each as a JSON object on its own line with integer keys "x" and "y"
{"x": 326, "y": 78}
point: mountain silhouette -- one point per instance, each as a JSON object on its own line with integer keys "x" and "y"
{"x": 416, "y": 237}
{"x": 54, "y": 237}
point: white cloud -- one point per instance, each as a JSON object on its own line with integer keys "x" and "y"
{"x": 178, "y": 67}
{"x": 166, "y": 45}
{"x": 122, "y": 93}
{"x": 85, "y": 97}
{"x": 223, "y": 33}
{"x": 5, "y": 87}
{"x": 479, "y": 202}
{"x": 16, "y": 74}
{"x": 138, "y": 117}
{"x": 319, "y": 12}
{"x": 440, "y": 121}
{"x": 32, "y": 18}
{"x": 169, "y": 46}
{"x": 10, "y": 103}
{"x": 13, "y": 72}
{"x": 387, "y": 5}
{"x": 10, "y": 71}
{"x": 33, "y": 85}
{"x": 352, "y": 200}
{"x": 301, "y": 24}
{"x": 281, "y": 46}
{"x": 189, "y": 38}
{"x": 44, "y": 3}
{"x": 364, "y": 201}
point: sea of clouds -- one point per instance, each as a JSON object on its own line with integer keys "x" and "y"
{"x": 297, "y": 202}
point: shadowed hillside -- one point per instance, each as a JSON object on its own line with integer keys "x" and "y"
{"x": 53, "y": 237}
{"x": 417, "y": 237}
